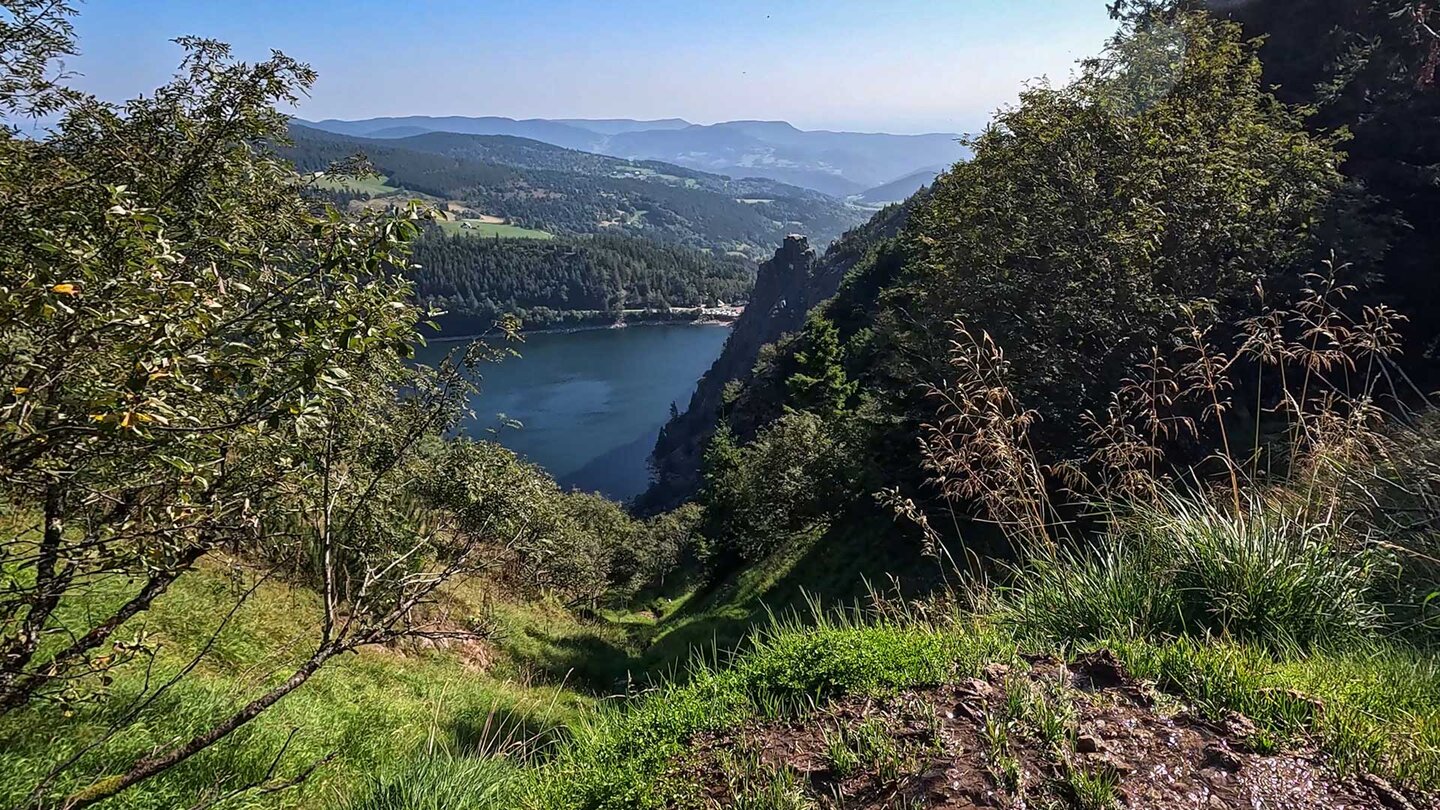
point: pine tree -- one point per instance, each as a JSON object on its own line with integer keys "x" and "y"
{"x": 819, "y": 383}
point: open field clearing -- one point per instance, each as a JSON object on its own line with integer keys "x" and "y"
{"x": 484, "y": 227}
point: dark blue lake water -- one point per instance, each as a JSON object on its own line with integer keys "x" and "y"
{"x": 592, "y": 403}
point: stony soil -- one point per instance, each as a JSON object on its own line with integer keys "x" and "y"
{"x": 1048, "y": 735}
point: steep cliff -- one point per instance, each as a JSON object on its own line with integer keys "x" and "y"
{"x": 787, "y": 287}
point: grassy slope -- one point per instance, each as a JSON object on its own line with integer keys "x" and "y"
{"x": 1371, "y": 704}
{"x": 481, "y": 228}
{"x": 376, "y": 186}
{"x": 373, "y": 711}
{"x": 419, "y": 728}
{"x": 407, "y": 725}
{"x": 391, "y": 714}
{"x": 1380, "y": 705}
{"x": 380, "y": 187}
{"x": 842, "y": 563}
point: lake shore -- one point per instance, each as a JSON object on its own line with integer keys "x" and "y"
{"x": 591, "y": 327}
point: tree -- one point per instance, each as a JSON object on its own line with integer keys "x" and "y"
{"x": 1165, "y": 175}
{"x": 720, "y": 469}
{"x": 1372, "y": 68}
{"x": 818, "y": 382}
{"x": 33, "y": 35}
{"x": 757, "y": 495}
{"x": 1092, "y": 215}
{"x": 194, "y": 359}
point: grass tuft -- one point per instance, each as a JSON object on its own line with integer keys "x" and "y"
{"x": 443, "y": 782}
{"x": 1193, "y": 568}
{"x": 1092, "y": 789}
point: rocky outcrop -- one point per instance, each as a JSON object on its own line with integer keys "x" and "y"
{"x": 786, "y": 287}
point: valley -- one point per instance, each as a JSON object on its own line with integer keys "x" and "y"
{"x": 629, "y": 234}
{"x": 1090, "y": 461}
{"x": 536, "y": 185}
{"x": 839, "y": 164}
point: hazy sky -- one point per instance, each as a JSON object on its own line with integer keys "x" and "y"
{"x": 881, "y": 65}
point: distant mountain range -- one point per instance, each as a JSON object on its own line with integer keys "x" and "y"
{"x": 535, "y": 185}
{"x": 901, "y": 189}
{"x": 840, "y": 164}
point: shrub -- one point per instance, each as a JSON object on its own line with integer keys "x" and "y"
{"x": 759, "y": 494}
{"x": 584, "y": 549}
{"x": 1164, "y": 174}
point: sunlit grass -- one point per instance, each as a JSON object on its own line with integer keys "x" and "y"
{"x": 479, "y": 227}
{"x": 363, "y": 716}
{"x": 1189, "y": 567}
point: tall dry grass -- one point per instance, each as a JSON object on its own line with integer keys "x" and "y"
{"x": 1272, "y": 479}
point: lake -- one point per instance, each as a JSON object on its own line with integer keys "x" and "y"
{"x": 591, "y": 403}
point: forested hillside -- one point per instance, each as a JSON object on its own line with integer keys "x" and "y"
{"x": 634, "y": 235}
{"x": 476, "y": 280}
{"x": 835, "y": 163}
{"x": 539, "y": 186}
{"x": 787, "y": 286}
{"x": 1101, "y": 474}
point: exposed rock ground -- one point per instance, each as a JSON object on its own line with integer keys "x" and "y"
{"x": 1083, "y": 735}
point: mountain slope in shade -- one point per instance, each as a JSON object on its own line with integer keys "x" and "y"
{"x": 787, "y": 287}
{"x": 835, "y": 163}
{"x": 551, "y": 132}
{"x": 900, "y": 189}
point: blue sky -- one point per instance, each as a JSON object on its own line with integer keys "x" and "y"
{"x": 879, "y": 65}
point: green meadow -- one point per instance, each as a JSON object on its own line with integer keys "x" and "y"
{"x": 482, "y": 228}
{"x": 374, "y": 185}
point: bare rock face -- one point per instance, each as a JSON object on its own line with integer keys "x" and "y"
{"x": 780, "y": 286}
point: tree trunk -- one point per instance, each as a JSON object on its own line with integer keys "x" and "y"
{"x": 50, "y": 582}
